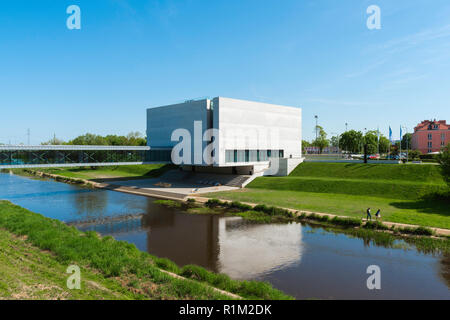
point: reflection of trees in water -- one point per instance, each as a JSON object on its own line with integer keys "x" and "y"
{"x": 445, "y": 268}
{"x": 90, "y": 204}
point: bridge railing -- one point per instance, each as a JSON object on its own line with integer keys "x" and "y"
{"x": 63, "y": 156}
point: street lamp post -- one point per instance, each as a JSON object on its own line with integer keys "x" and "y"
{"x": 317, "y": 124}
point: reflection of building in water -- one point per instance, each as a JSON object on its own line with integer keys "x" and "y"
{"x": 249, "y": 250}
{"x": 184, "y": 239}
{"x": 230, "y": 245}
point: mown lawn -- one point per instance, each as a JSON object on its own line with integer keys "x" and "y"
{"x": 390, "y": 172}
{"x": 112, "y": 172}
{"x": 420, "y": 212}
{"x": 349, "y": 189}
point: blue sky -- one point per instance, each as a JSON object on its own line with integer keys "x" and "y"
{"x": 130, "y": 55}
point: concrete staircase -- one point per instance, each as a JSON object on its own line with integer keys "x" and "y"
{"x": 206, "y": 179}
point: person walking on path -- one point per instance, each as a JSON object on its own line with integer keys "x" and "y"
{"x": 378, "y": 214}
{"x": 369, "y": 216}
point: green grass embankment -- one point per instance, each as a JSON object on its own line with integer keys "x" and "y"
{"x": 400, "y": 191}
{"x": 27, "y": 272}
{"x": 144, "y": 171}
{"x": 136, "y": 271}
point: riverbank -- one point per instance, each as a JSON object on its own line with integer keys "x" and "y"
{"x": 405, "y": 194}
{"x": 425, "y": 239}
{"x": 406, "y": 211}
{"x": 104, "y": 174}
{"x": 117, "y": 264}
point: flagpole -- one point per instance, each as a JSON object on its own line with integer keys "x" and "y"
{"x": 390, "y": 142}
{"x": 400, "y": 143}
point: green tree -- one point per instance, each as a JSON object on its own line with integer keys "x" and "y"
{"x": 305, "y": 144}
{"x": 351, "y": 141}
{"x": 371, "y": 139}
{"x": 444, "y": 161}
{"x": 406, "y": 141}
{"x": 89, "y": 139}
{"x": 53, "y": 142}
{"x": 384, "y": 144}
{"x": 415, "y": 154}
{"x": 321, "y": 142}
{"x": 132, "y": 139}
{"x": 136, "y": 139}
{"x": 334, "y": 141}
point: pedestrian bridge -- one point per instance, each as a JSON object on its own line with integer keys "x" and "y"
{"x": 14, "y": 157}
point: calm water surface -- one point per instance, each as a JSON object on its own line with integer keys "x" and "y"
{"x": 302, "y": 261}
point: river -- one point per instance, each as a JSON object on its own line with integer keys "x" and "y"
{"x": 303, "y": 261}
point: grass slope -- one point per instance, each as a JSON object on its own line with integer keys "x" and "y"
{"x": 26, "y": 272}
{"x": 348, "y": 189}
{"x": 122, "y": 260}
{"x": 416, "y": 173}
{"x": 420, "y": 212}
{"x": 377, "y": 188}
{"x": 132, "y": 171}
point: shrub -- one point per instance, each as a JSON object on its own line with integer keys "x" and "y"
{"x": 347, "y": 222}
{"x": 213, "y": 203}
{"x": 375, "y": 225}
{"x": 444, "y": 161}
{"x": 420, "y": 231}
{"x": 240, "y": 206}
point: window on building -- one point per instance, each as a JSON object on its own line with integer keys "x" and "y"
{"x": 233, "y": 156}
{"x": 430, "y": 144}
{"x": 442, "y": 136}
{"x": 430, "y": 136}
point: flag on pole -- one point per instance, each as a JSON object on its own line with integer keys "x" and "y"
{"x": 401, "y": 134}
{"x": 390, "y": 134}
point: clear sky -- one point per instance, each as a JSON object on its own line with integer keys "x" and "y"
{"x": 130, "y": 55}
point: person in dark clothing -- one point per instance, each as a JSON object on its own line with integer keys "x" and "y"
{"x": 369, "y": 216}
{"x": 378, "y": 214}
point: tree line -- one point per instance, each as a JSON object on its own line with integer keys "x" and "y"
{"x": 89, "y": 139}
{"x": 353, "y": 141}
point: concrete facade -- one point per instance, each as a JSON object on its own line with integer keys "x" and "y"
{"x": 246, "y": 136}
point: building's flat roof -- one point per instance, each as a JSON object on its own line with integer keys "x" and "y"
{"x": 220, "y": 97}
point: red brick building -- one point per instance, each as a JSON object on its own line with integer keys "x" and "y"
{"x": 430, "y": 136}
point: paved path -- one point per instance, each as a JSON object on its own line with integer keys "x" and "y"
{"x": 438, "y": 231}
{"x": 181, "y": 193}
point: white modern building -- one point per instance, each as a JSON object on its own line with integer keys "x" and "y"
{"x": 226, "y": 135}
